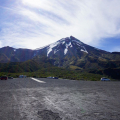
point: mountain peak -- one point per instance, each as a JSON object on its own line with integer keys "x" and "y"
{"x": 72, "y": 37}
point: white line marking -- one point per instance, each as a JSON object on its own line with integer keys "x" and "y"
{"x": 38, "y": 80}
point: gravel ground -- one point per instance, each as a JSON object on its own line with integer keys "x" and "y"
{"x": 58, "y": 99}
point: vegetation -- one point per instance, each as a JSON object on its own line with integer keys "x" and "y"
{"x": 43, "y": 67}
{"x": 57, "y": 72}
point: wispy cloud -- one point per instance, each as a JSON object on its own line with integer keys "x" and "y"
{"x": 35, "y": 23}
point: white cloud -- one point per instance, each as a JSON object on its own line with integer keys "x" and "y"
{"x": 45, "y": 21}
{"x": 88, "y": 19}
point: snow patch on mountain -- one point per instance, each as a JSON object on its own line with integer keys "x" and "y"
{"x": 78, "y": 44}
{"x": 70, "y": 45}
{"x": 56, "y": 51}
{"x": 66, "y": 49}
{"x": 84, "y": 49}
{"x": 51, "y": 46}
{"x": 63, "y": 42}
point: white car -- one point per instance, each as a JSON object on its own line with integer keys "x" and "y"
{"x": 105, "y": 79}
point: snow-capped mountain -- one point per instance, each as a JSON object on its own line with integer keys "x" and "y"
{"x": 65, "y": 45}
{"x": 70, "y": 47}
{"x": 67, "y": 51}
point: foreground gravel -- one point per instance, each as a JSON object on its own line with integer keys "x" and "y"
{"x": 58, "y": 99}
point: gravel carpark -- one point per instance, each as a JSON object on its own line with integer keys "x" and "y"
{"x": 59, "y": 99}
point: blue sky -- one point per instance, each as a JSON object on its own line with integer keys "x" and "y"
{"x": 36, "y": 23}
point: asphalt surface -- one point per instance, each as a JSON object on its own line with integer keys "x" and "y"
{"x": 58, "y": 99}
